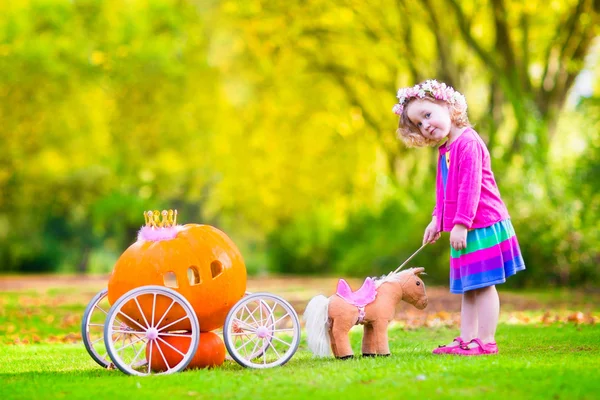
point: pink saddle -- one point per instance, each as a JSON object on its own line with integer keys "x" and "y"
{"x": 363, "y": 296}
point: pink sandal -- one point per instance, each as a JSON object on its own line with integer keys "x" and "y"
{"x": 443, "y": 349}
{"x": 481, "y": 349}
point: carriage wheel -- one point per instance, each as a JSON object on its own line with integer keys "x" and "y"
{"x": 261, "y": 331}
{"x": 263, "y": 311}
{"x": 236, "y": 329}
{"x": 92, "y": 328}
{"x": 133, "y": 340}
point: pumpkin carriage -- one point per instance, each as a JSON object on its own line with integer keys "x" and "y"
{"x": 168, "y": 294}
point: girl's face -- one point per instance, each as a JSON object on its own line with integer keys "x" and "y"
{"x": 432, "y": 119}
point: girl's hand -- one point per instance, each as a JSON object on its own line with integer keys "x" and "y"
{"x": 458, "y": 237}
{"x": 431, "y": 234}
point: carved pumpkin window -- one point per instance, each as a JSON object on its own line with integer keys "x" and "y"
{"x": 194, "y": 276}
{"x": 216, "y": 268}
{"x": 170, "y": 280}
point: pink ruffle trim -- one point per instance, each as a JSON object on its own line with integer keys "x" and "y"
{"x": 150, "y": 234}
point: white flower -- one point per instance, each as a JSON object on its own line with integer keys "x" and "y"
{"x": 397, "y": 109}
{"x": 439, "y": 91}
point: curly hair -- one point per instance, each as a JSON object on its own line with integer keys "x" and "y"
{"x": 410, "y": 134}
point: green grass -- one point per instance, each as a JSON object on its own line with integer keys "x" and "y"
{"x": 546, "y": 362}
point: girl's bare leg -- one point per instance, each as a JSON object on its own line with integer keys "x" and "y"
{"x": 488, "y": 311}
{"x": 469, "y": 316}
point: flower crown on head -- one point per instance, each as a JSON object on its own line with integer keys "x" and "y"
{"x": 431, "y": 87}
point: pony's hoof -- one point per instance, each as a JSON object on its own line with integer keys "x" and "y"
{"x": 369, "y": 355}
{"x": 345, "y": 357}
{"x": 384, "y": 355}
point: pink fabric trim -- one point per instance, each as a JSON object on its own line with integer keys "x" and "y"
{"x": 363, "y": 296}
{"x": 151, "y": 234}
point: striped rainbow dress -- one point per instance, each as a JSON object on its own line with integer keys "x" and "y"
{"x": 491, "y": 256}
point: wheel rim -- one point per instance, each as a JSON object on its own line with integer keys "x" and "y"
{"x": 92, "y": 328}
{"x": 145, "y": 345}
{"x": 262, "y": 331}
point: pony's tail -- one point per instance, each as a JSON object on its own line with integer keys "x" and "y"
{"x": 317, "y": 326}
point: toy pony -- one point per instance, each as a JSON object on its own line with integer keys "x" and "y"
{"x": 328, "y": 320}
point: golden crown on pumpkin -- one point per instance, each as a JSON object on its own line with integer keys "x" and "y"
{"x": 161, "y": 219}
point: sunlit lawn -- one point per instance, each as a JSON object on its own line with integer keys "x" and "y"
{"x": 535, "y": 362}
{"x": 539, "y": 358}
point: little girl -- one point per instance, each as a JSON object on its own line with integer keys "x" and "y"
{"x": 484, "y": 249}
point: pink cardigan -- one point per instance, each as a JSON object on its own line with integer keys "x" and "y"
{"x": 472, "y": 196}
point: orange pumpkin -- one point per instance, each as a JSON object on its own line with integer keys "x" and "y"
{"x": 210, "y": 353}
{"x": 200, "y": 262}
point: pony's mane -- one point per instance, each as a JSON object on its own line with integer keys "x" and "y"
{"x": 392, "y": 277}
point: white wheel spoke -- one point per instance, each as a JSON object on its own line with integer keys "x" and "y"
{"x": 163, "y": 356}
{"x": 97, "y": 340}
{"x": 171, "y": 346}
{"x": 132, "y": 320}
{"x": 282, "y": 341}
{"x": 271, "y": 318}
{"x": 140, "y": 363}
{"x": 273, "y": 347}
{"x": 173, "y": 323}
{"x": 269, "y": 310}
{"x": 283, "y": 330}
{"x": 239, "y": 334}
{"x": 245, "y": 343}
{"x": 131, "y": 343}
{"x": 136, "y": 334}
{"x": 153, "y": 308}
{"x": 166, "y": 312}
{"x": 136, "y": 356}
{"x": 260, "y": 312}
{"x": 117, "y": 338}
{"x": 275, "y": 323}
{"x": 260, "y": 316}
{"x": 150, "y": 357}
{"x": 249, "y": 327}
{"x": 255, "y": 346}
{"x": 251, "y": 315}
{"x": 96, "y": 325}
{"x": 101, "y": 309}
{"x": 187, "y": 335}
{"x": 128, "y": 332}
{"x": 141, "y": 311}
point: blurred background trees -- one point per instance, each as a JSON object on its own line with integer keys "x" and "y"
{"x": 272, "y": 121}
